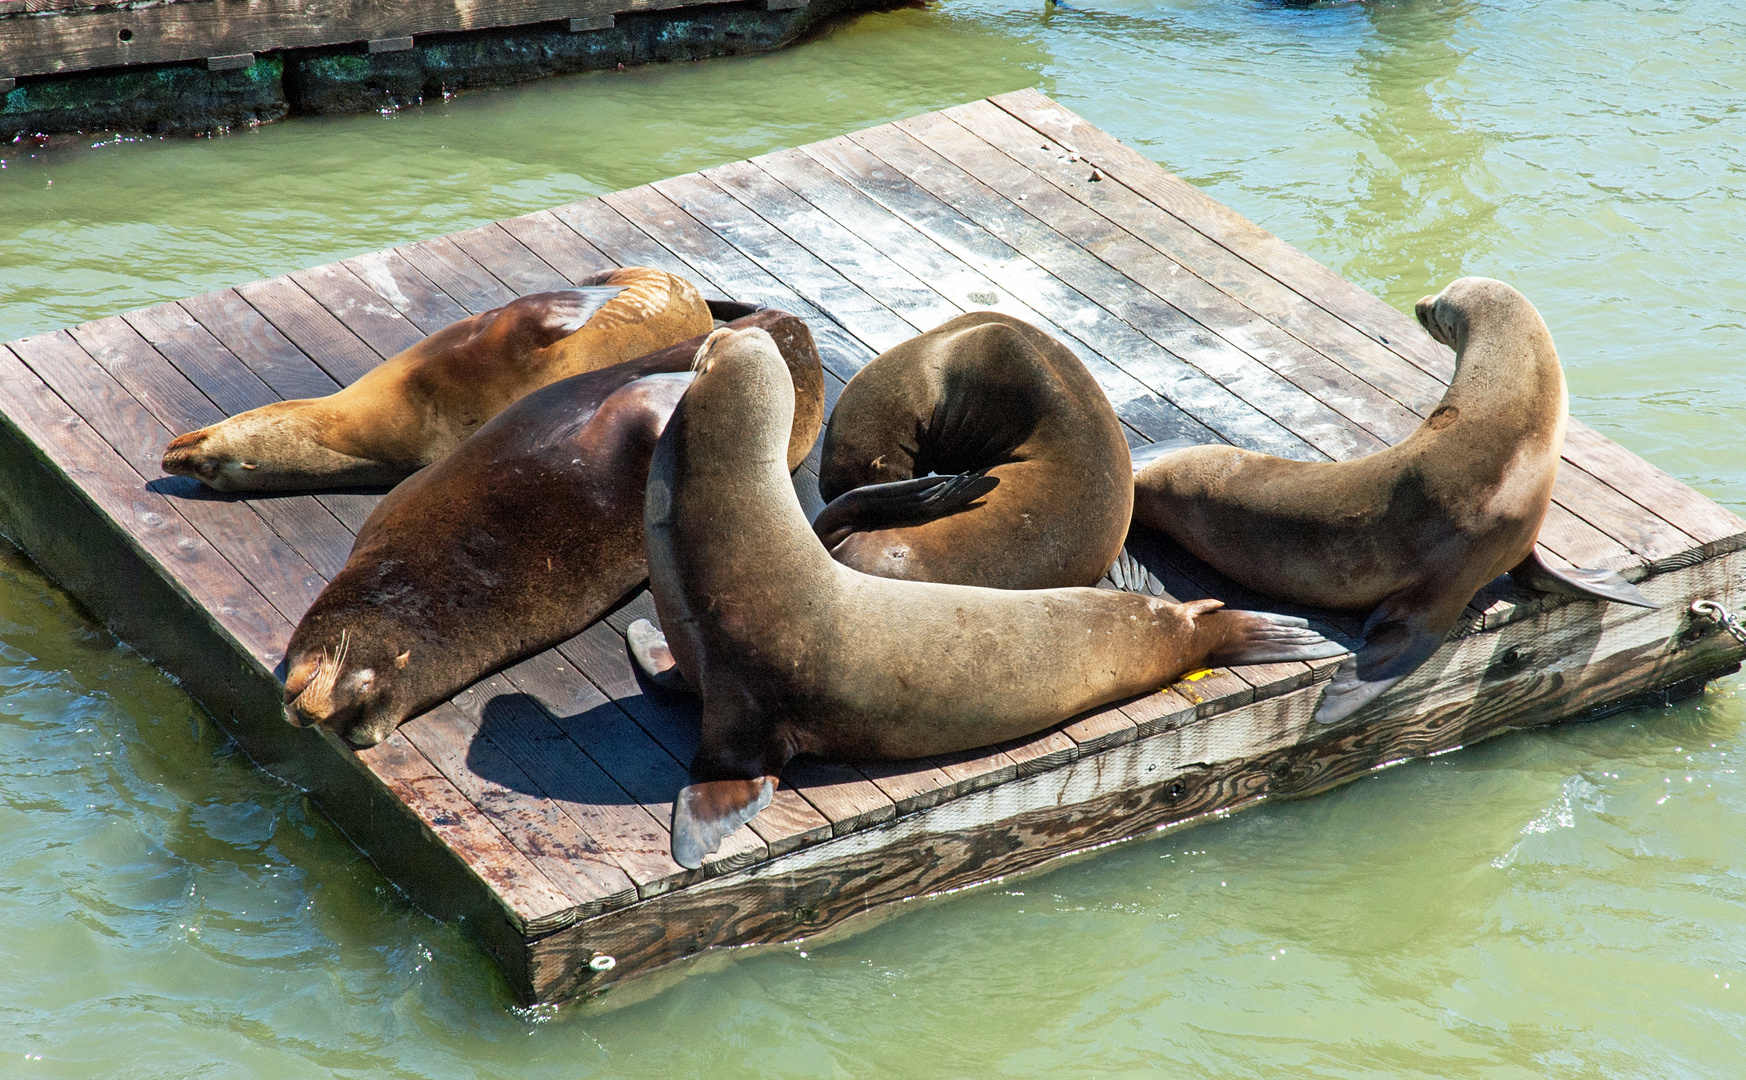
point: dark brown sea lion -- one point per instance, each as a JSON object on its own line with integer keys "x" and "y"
{"x": 521, "y": 538}
{"x": 418, "y": 405}
{"x": 794, "y": 652}
{"x": 985, "y": 394}
{"x": 1410, "y": 533}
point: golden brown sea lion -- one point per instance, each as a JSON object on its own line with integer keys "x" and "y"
{"x": 986, "y": 394}
{"x": 794, "y": 652}
{"x": 1410, "y": 533}
{"x": 519, "y": 539}
{"x": 418, "y": 405}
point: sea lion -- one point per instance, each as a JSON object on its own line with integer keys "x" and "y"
{"x": 522, "y": 537}
{"x": 982, "y": 394}
{"x": 1410, "y": 533}
{"x": 1031, "y": 487}
{"x": 418, "y": 405}
{"x": 794, "y": 652}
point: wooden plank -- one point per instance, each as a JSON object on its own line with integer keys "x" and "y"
{"x": 557, "y": 244}
{"x": 87, "y": 37}
{"x": 601, "y": 655}
{"x": 1285, "y": 308}
{"x": 1184, "y": 387}
{"x": 403, "y": 285}
{"x": 362, "y": 310}
{"x": 285, "y": 578}
{"x": 1134, "y": 404}
{"x": 268, "y": 353}
{"x": 644, "y": 224}
{"x": 457, "y": 274}
{"x": 1649, "y": 487}
{"x": 792, "y": 264}
{"x": 964, "y": 285}
{"x": 1619, "y": 518}
{"x": 1190, "y": 344}
{"x": 452, "y": 817}
{"x": 148, "y": 521}
{"x": 312, "y": 328}
{"x": 568, "y": 857}
{"x": 1186, "y": 295}
{"x": 300, "y": 520}
{"x": 517, "y": 724}
{"x": 1261, "y": 249}
{"x": 859, "y": 262}
{"x": 508, "y": 260}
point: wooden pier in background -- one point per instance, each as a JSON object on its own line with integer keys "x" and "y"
{"x": 536, "y": 803}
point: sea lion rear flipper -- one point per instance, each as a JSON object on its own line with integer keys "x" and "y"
{"x": 1536, "y": 573}
{"x": 1261, "y": 637}
{"x": 649, "y": 649}
{"x": 708, "y": 812}
{"x": 1400, "y": 635}
{"x": 900, "y": 502}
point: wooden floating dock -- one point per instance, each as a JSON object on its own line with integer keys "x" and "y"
{"x": 536, "y": 803}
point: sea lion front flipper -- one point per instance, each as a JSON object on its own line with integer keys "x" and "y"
{"x": 649, "y": 649}
{"x": 707, "y": 813}
{"x": 1400, "y": 634}
{"x": 899, "y": 502}
{"x": 1536, "y": 573}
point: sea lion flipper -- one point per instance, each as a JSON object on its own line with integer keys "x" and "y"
{"x": 708, "y": 812}
{"x": 1590, "y": 584}
{"x": 899, "y": 502}
{"x": 649, "y": 649}
{"x": 1400, "y": 634}
{"x": 1261, "y": 637}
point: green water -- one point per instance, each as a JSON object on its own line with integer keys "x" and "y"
{"x": 1558, "y": 903}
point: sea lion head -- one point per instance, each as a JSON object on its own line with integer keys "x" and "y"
{"x": 348, "y": 685}
{"x": 275, "y": 447}
{"x": 1447, "y": 315}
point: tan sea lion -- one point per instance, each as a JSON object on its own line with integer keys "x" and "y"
{"x": 979, "y": 453}
{"x": 519, "y": 539}
{"x": 1410, "y": 533}
{"x": 418, "y": 405}
{"x": 794, "y": 652}
{"x": 982, "y": 394}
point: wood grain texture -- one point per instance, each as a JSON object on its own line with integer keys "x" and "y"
{"x": 82, "y": 36}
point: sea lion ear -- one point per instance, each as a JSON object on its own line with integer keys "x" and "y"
{"x": 708, "y": 812}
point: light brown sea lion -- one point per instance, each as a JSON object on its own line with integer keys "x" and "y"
{"x": 418, "y": 405}
{"x": 984, "y": 394}
{"x": 1410, "y": 533}
{"x": 979, "y": 453}
{"x": 794, "y": 652}
{"x": 522, "y": 537}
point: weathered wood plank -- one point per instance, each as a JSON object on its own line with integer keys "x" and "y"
{"x": 1184, "y": 387}
{"x": 1291, "y": 267}
{"x": 82, "y": 39}
{"x": 285, "y": 578}
{"x": 1188, "y": 343}
{"x": 147, "y": 520}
